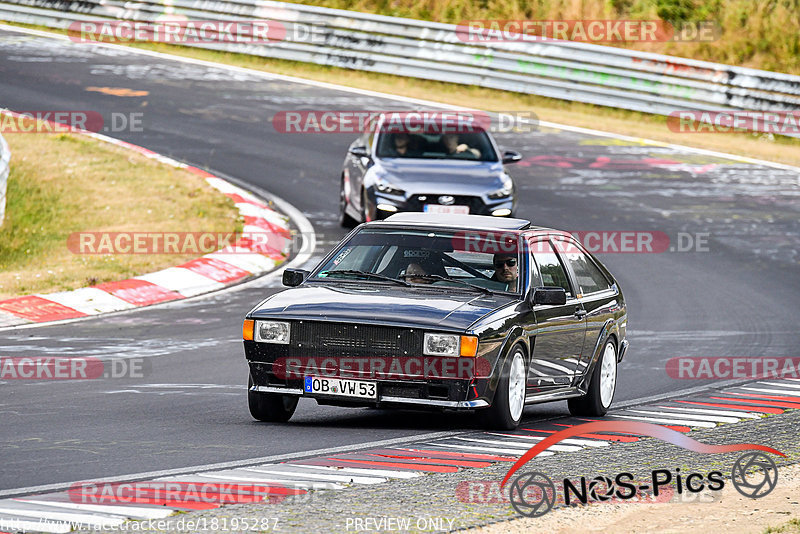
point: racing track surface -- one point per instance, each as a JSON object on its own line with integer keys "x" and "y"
{"x": 738, "y": 299}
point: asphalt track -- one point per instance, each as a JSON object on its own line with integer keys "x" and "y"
{"x": 738, "y": 298}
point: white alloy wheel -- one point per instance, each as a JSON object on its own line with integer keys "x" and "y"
{"x": 608, "y": 375}
{"x": 516, "y": 386}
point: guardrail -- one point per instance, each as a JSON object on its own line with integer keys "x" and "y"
{"x": 5, "y": 163}
{"x": 588, "y": 73}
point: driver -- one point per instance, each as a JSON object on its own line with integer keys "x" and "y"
{"x": 506, "y": 270}
{"x": 452, "y": 146}
{"x": 415, "y": 274}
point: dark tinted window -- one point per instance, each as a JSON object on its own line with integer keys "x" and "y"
{"x": 588, "y": 276}
{"x": 550, "y": 268}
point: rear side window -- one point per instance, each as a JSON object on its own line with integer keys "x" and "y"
{"x": 588, "y": 276}
{"x": 550, "y": 268}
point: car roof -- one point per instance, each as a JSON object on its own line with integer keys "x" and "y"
{"x": 466, "y": 222}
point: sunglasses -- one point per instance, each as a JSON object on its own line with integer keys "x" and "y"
{"x": 511, "y": 262}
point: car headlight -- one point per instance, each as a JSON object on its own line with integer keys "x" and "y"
{"x": 441, "y": 345}
{"x": 450, "y": 345}
{"x": 506, "y": 190}
{"x": 384, "y": 186}
{"x": 272, "y": 332}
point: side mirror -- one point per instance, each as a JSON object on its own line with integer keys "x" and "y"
{"x": 359, "y": 151}
{"x": 550, "y": 296}
{"x": 294, "y": 277}
{"x": 511, "y": 156}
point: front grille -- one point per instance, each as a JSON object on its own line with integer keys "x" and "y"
{"x": 320, "y": 339}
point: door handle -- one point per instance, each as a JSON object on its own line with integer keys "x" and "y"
{"x": 580, "y": 312}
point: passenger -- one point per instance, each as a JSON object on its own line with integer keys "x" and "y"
{"x": 404, "y": 146}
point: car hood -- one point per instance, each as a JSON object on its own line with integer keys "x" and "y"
{"x": 443, "y": 176}
{"x": 379, "y": 304}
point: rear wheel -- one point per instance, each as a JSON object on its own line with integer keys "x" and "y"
{"x": 509, "y": 399}
{"x": 270, "y": 407}
{"x": 598, "y": 399}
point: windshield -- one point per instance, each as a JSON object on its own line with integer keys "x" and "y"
{"x": 427, "y": 258}
{"x": 470, "y": 146}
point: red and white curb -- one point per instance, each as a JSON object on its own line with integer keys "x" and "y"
{"x": 211, "y": 272}
{"x": 104, "y": 503}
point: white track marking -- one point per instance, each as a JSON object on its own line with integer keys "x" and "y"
{"x": 568, "y": 441}
{"x": 702, "y": 424}
{"x": 773, "y": 391}
{"x": 699, "y": 417}
{"x": 361, "y": 471}
{"x": 88, "y": 300}
{"x": 282, "y": 481}
{"x": 477, "y": 448}
{"x": 779, "y": 384}
{"x": 732, "y": 413}
{"x": 559, "y": 448}
{"x": 187, "y": 283}
{"x": 319, "y": 476}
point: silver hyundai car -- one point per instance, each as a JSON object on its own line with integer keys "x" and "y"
{"x": 407, "y": 162}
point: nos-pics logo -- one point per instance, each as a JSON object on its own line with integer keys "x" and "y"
{"x": 533, "y": 494}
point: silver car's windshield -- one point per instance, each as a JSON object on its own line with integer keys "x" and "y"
{"x": 474, "y": 146}
{"x": 431, "y": 258}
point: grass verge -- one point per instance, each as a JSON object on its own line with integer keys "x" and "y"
{"x": 64, "y": 183}
{"x": 762, "y": 146}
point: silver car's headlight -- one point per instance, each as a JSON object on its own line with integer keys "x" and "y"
{"x": 506, "y": 190}
{"x": 272, "y": 332}
{"x": 441, "y": 345}
{"x": 385, "y": 186}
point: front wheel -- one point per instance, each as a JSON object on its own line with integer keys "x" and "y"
{"x": 509, "y": 399}
{"x": 598, "y": 399}
{"x": 345, "y": 220}
{"x": 270, "y": 407}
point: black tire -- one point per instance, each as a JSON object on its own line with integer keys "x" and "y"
{"x": 592, "y": 404}
{"x": 270, "y": 407}
{"x": 345, "y": 220}
{"x": 364, "y": 205}
{"x": 499, "y": 415}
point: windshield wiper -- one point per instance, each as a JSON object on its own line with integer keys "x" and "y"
{"x": 368, "y": 274}
{"x": 486, "y": 290}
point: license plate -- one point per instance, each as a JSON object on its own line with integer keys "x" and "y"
{"x": 341, "y": 387}
{"x": 438, "y": 208}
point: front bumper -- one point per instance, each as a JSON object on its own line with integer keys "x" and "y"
{"x": 382, "y": 205}
{"x": 382, "y": 399}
